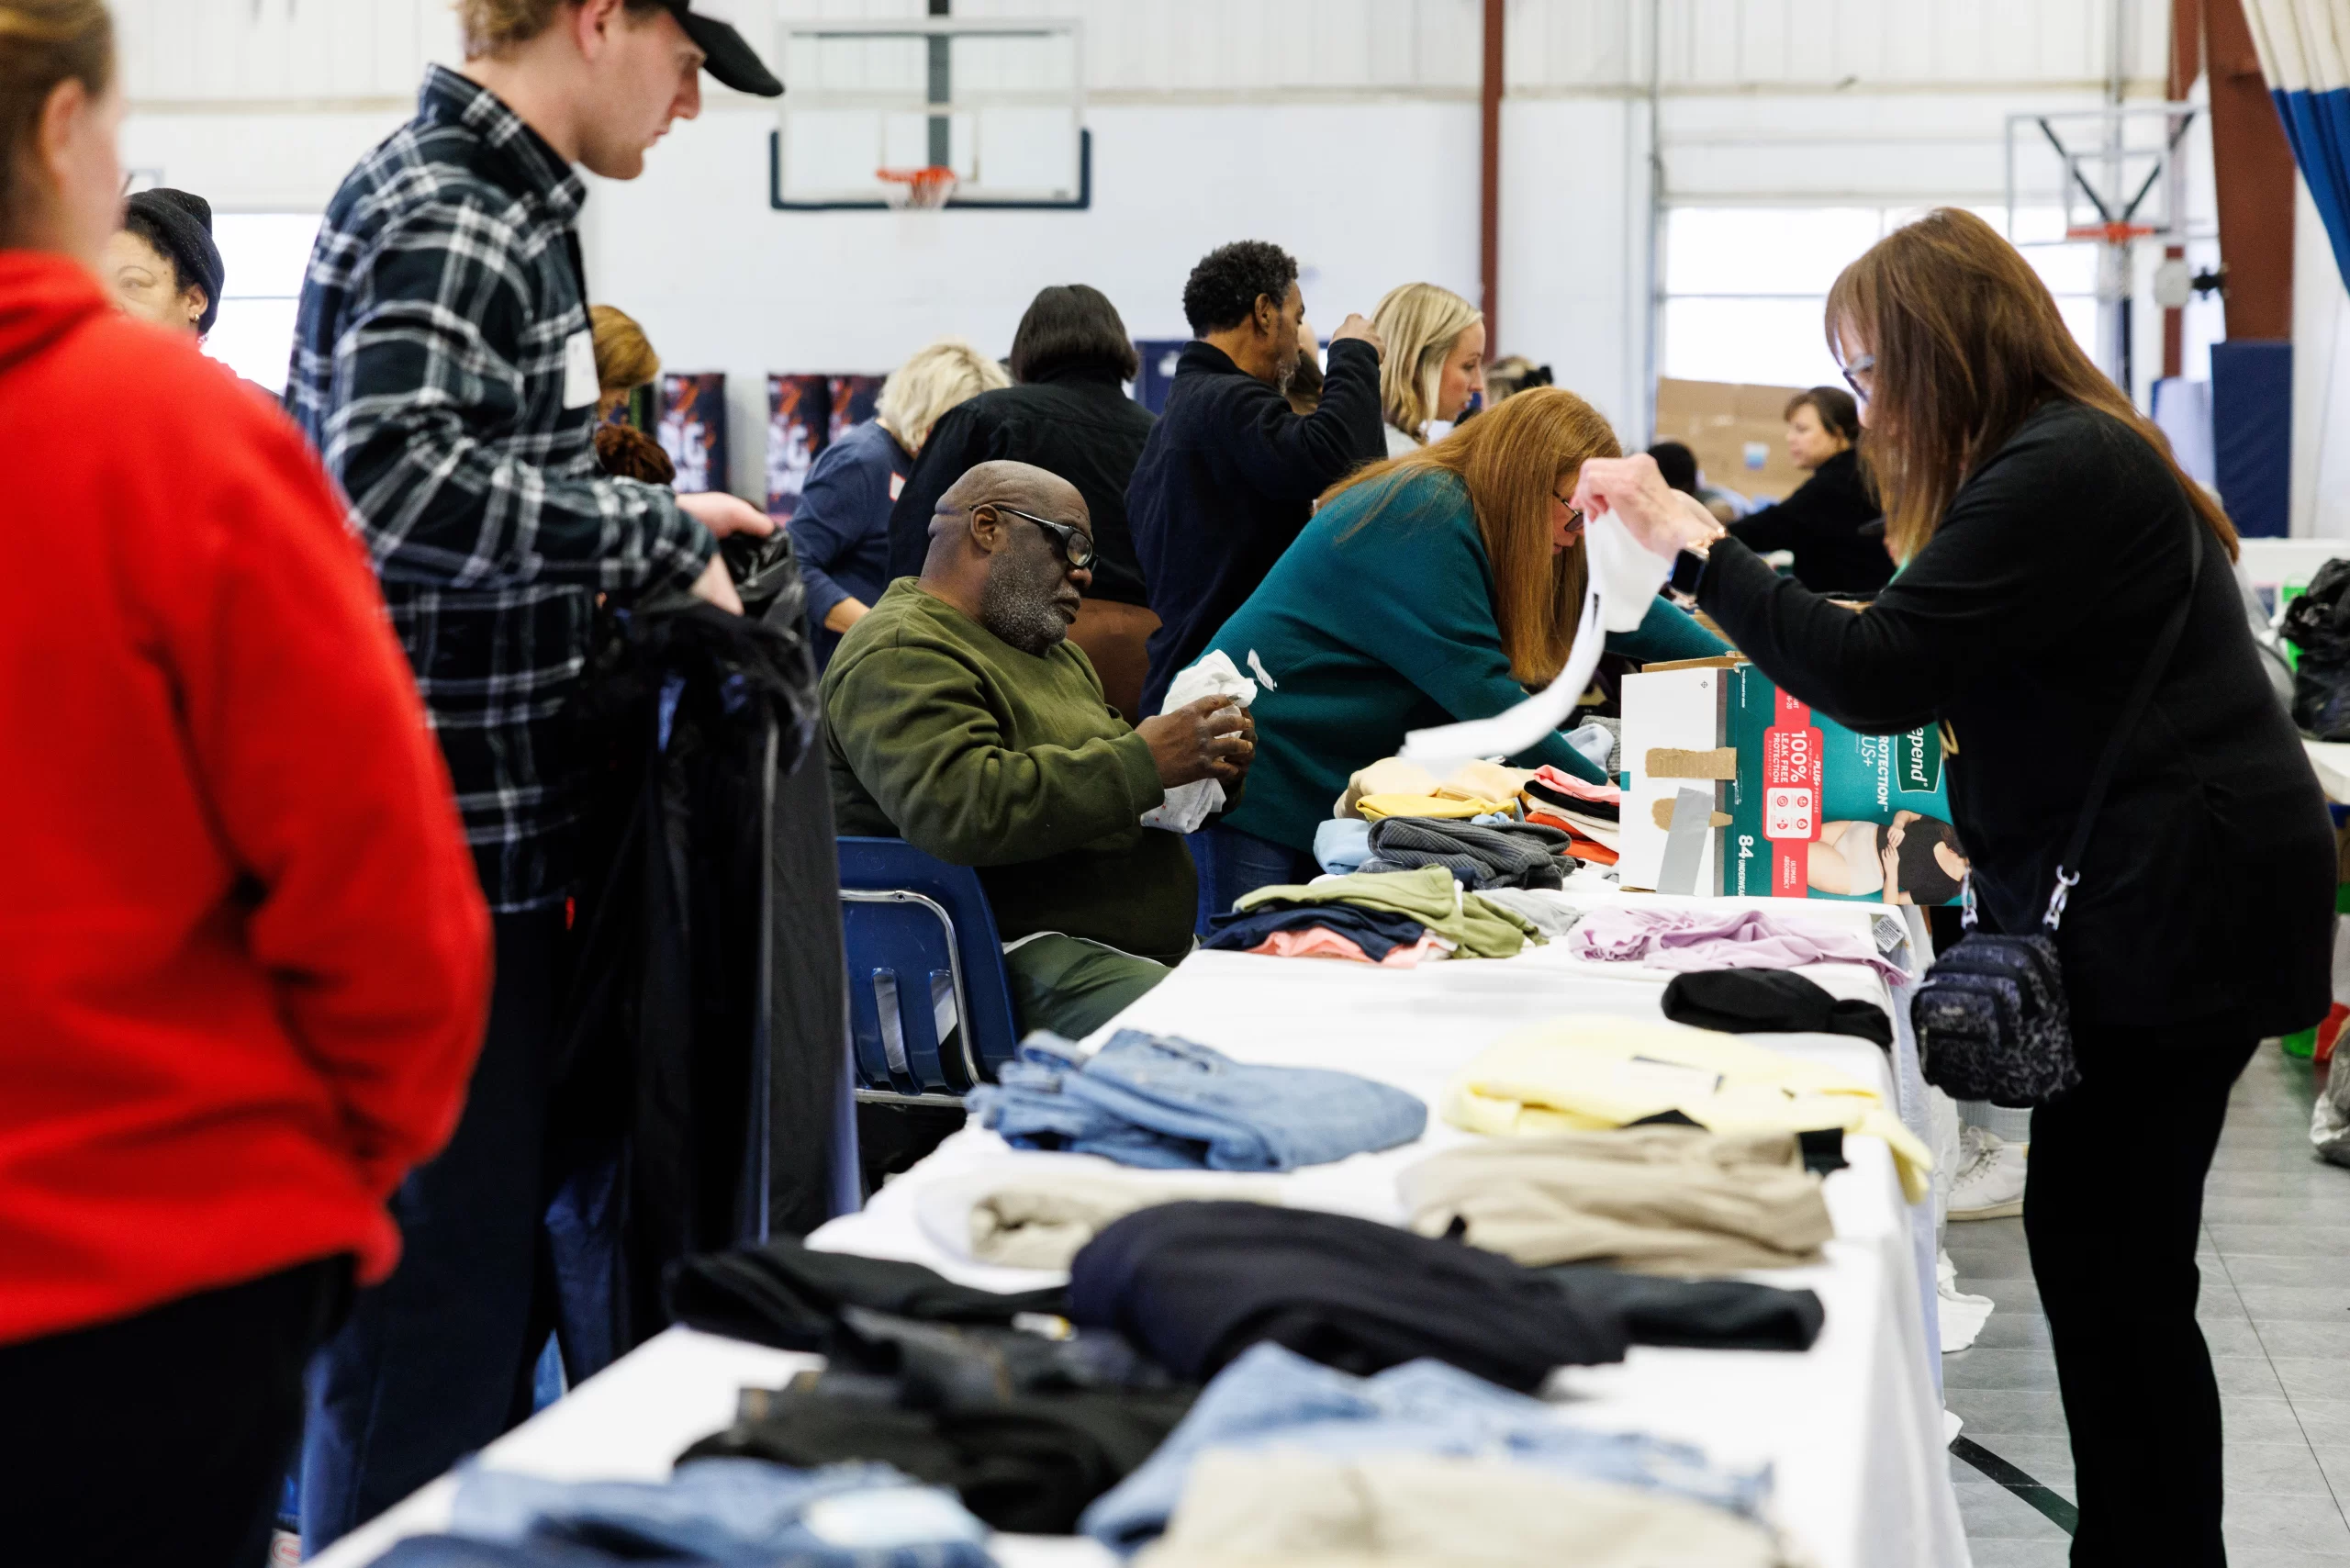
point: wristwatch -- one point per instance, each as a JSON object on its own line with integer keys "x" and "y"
{"x": 1688, "y": 573}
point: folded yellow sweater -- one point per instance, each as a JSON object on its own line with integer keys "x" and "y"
{"x": 1603, "y": 1070}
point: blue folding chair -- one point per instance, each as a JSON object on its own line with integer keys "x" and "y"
{"x": 930, "y": 1015}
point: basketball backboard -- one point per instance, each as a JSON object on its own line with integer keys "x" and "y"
{"x": 999, "y": 101}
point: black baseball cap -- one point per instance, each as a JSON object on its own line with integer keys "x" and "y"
{"x": 733, "y": 61}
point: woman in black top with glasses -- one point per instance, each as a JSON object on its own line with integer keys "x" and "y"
{"x": 2047, "y": 538}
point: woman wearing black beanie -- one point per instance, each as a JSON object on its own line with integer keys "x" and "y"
{"x": 162, "y": 265}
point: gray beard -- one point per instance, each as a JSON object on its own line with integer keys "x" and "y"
{"x": 1018, "y": 615}
{"x": 1288, "y": 373}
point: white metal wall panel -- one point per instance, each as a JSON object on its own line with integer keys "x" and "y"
{"x": 260, "y": 50}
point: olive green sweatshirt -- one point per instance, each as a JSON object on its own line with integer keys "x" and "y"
{"x": 945, "y": 735}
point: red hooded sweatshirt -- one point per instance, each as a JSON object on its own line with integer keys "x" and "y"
{"x": 243, "y": 957}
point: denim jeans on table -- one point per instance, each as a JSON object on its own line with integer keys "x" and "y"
{"x": 1231, "y": 863}
{"x": 1171, "y": 1104}
{"x": 735, "y": 1511}
{"x": 1271, "y": 1397}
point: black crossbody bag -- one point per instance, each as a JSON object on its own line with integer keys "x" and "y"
{"x": 1991, "y": 1017}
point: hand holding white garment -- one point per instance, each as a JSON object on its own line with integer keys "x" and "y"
{"x": 1624, "y": 577}
{"x": 1189, "y": 805}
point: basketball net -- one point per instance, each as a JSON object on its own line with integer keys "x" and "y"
{"x": 917, "y": 187}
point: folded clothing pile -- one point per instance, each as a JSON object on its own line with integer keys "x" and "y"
{"x": 1015, "y": 1215}
{"x": 1478, "y": 856}
{"x": 1284, "y": 1509}
{"x": 1026, "y": 1430}
{"x": 1670, "y": 1200}
{"x": 1771, "y": 1001}
{"x": 1592, "y": 814}
{"x": 1392, "y": 787}
{"x": 1596, "y": 1070}
{"x": 1272, "y": 1400}
{"x": 1476, "y": 928}
{"x": 735, "y": 1513}
{"x": 788, "y": 1294}
{"x": 1334, "y": 930}
{"x": 1171, "y": 1104}
{"x": 1689, "y": 939}
{"x": 1196, "y": 1283}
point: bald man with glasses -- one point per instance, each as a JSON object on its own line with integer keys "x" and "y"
{"x": 963, "y": 720}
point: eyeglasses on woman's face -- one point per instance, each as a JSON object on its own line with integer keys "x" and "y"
{"x": 1566, "y": 521}
{"x": 1861, "y": 376}
{"x": 1076, "y": 544}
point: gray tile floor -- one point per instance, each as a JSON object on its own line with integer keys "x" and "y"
{"x": 2276, "y": 1310}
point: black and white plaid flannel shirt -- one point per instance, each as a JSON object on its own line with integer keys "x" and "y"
{"x": 438, "y": 366}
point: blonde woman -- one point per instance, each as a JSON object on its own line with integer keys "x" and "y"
{"x": 841, "y": 532}
{"x": 624, "y": 359}
{"x": 1435, "y": 360}
{"x": 1460, "y": 566}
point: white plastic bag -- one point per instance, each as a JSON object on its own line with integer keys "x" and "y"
{"x": 1189, "y": 805}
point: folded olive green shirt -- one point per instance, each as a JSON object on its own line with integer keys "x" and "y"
{"x": 1427, "y": 894}
{"x": 945, "y": 735}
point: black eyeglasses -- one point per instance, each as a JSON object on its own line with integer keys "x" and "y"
{"x": 1862, "y": 366}
{"x": 1574, "y": 515}
{"x": 1077, "y": 545}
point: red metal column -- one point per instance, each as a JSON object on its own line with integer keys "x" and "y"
{"x": 2186, "y": 65}
{"x": 2253, "y": 167}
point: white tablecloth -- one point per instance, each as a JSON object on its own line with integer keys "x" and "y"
{"x": 1853, "y": 1427}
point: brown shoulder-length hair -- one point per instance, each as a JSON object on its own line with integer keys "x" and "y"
{"x": 1512, "y": 459}
{"x": 1967, "y": 342}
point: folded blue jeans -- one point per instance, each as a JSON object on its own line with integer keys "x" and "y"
{"x": 1171, "y": 1104}
{"x": 742, "y": 1512}
{"x": 1271, "y": 1397}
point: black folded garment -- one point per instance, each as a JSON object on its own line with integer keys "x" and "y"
{"x": 1707, "y": 1315}
{"x": 1479, "y": 855}
{"x": 1606, "y": 811}
{"x": 934, "y": 1365}
{"x": 1026, "y": 1462}
{"x": 787, "y": 1294}
{"x": 1771, "y": 1001}
{"x": 1196, "y": 1283}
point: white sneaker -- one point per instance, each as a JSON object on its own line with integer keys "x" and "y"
{"x": 1989, "y": 1184}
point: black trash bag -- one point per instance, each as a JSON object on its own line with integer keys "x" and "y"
{"x": 2317, "y": 626}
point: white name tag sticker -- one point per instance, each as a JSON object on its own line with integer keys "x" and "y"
{"x": 897, "y": 485}
{"x": 579, "y": 384}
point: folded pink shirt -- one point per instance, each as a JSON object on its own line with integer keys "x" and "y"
{"x": 1685, "y": 940}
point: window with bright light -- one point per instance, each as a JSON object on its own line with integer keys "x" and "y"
{"x": 1746, "y": 287}
{"x": 262, "y": 255}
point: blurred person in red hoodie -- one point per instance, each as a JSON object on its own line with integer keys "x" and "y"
{"x": 244, "y": 962}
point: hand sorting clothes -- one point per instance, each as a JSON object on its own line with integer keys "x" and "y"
{"x": 1284, "y": 1509}
{"x": 1172, "y": 1104}
{"x": 1598, "y": 1070}
{"x": 1688, "y": 939}
{"x": 1270, "y": 1399}
{"x": 1659, "y": 1199}
{"x": 725, "y": 1513}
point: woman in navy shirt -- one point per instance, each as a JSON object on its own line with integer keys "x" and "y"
{"x": 840, "y": 533}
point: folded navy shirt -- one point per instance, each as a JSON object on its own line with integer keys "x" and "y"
{"x": 1170, "y": 1105}
{"x": 1378, "y": 931}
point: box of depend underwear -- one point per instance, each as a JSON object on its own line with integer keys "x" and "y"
{"x": 1736, "y": 787}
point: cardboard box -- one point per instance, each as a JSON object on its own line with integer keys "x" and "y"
{"x": 1801, "y": 807}
{"x": 1739, "y": 432}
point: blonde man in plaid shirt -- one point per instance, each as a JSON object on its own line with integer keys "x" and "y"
{"x": 443, "y": 365}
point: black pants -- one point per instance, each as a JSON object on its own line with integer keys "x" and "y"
{"x": 2113, "y": 1203}
{"x": 162, "y": 1438}
{"x": 436, "y": 1362}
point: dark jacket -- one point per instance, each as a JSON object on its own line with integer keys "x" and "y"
{"x": 1821, "y": 523}
{"x": 840, "y": 533}
{"x": 1229, "y": 480}
{"x": 2207, "y": 890}
{"x": 1075, "y": 421}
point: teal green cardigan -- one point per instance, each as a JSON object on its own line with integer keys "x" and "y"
{"x": 1371, "y": 631}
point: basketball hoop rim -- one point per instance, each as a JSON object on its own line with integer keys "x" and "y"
{"x": 930, "y": 186}
{"x": 2110, "y": 233}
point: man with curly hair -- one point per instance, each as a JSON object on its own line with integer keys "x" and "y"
{"x": 1228, "y": 477}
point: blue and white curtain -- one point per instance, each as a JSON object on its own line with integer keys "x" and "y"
{"x": 2305, "y": 54}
